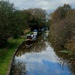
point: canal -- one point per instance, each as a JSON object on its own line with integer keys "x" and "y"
{"x": 42, "y": 59}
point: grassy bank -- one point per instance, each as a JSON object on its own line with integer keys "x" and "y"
{"x": 7, "y": 52}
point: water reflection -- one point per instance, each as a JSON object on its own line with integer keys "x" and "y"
{"x": 19, "y": 68}
{"x": 40, "y": 60}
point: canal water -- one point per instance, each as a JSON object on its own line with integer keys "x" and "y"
{"x": 42, "y": 59}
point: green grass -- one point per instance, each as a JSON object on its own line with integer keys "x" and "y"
{"x": 66, "y": 51}
{"x": 7, "y": 53}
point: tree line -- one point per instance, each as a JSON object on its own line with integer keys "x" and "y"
{"x": 13, "y": 22}
{"x": 62, "y": 27}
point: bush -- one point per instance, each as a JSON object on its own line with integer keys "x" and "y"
{"x": 63, "y": 29}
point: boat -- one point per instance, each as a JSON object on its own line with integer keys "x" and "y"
{"x": 28, "y": 41}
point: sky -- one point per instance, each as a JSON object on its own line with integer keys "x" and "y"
{"x": 48, "y": 5}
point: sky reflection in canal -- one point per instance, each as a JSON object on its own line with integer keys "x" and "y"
{"x": 45, "y": 62}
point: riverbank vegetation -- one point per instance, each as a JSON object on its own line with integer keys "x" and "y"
{"x": 7, "y": 52}
{"x": 14, "y": 24}
{"x": 62, "y": 27}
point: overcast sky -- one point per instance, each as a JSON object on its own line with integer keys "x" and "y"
{"x": 49, "y": 5}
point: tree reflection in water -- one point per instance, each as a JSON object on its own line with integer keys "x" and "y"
{"x": 18, "y": 68}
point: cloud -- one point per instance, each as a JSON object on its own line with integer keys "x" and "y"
{"x": 48, "y": 5}
{"x": 43, "y": 4}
